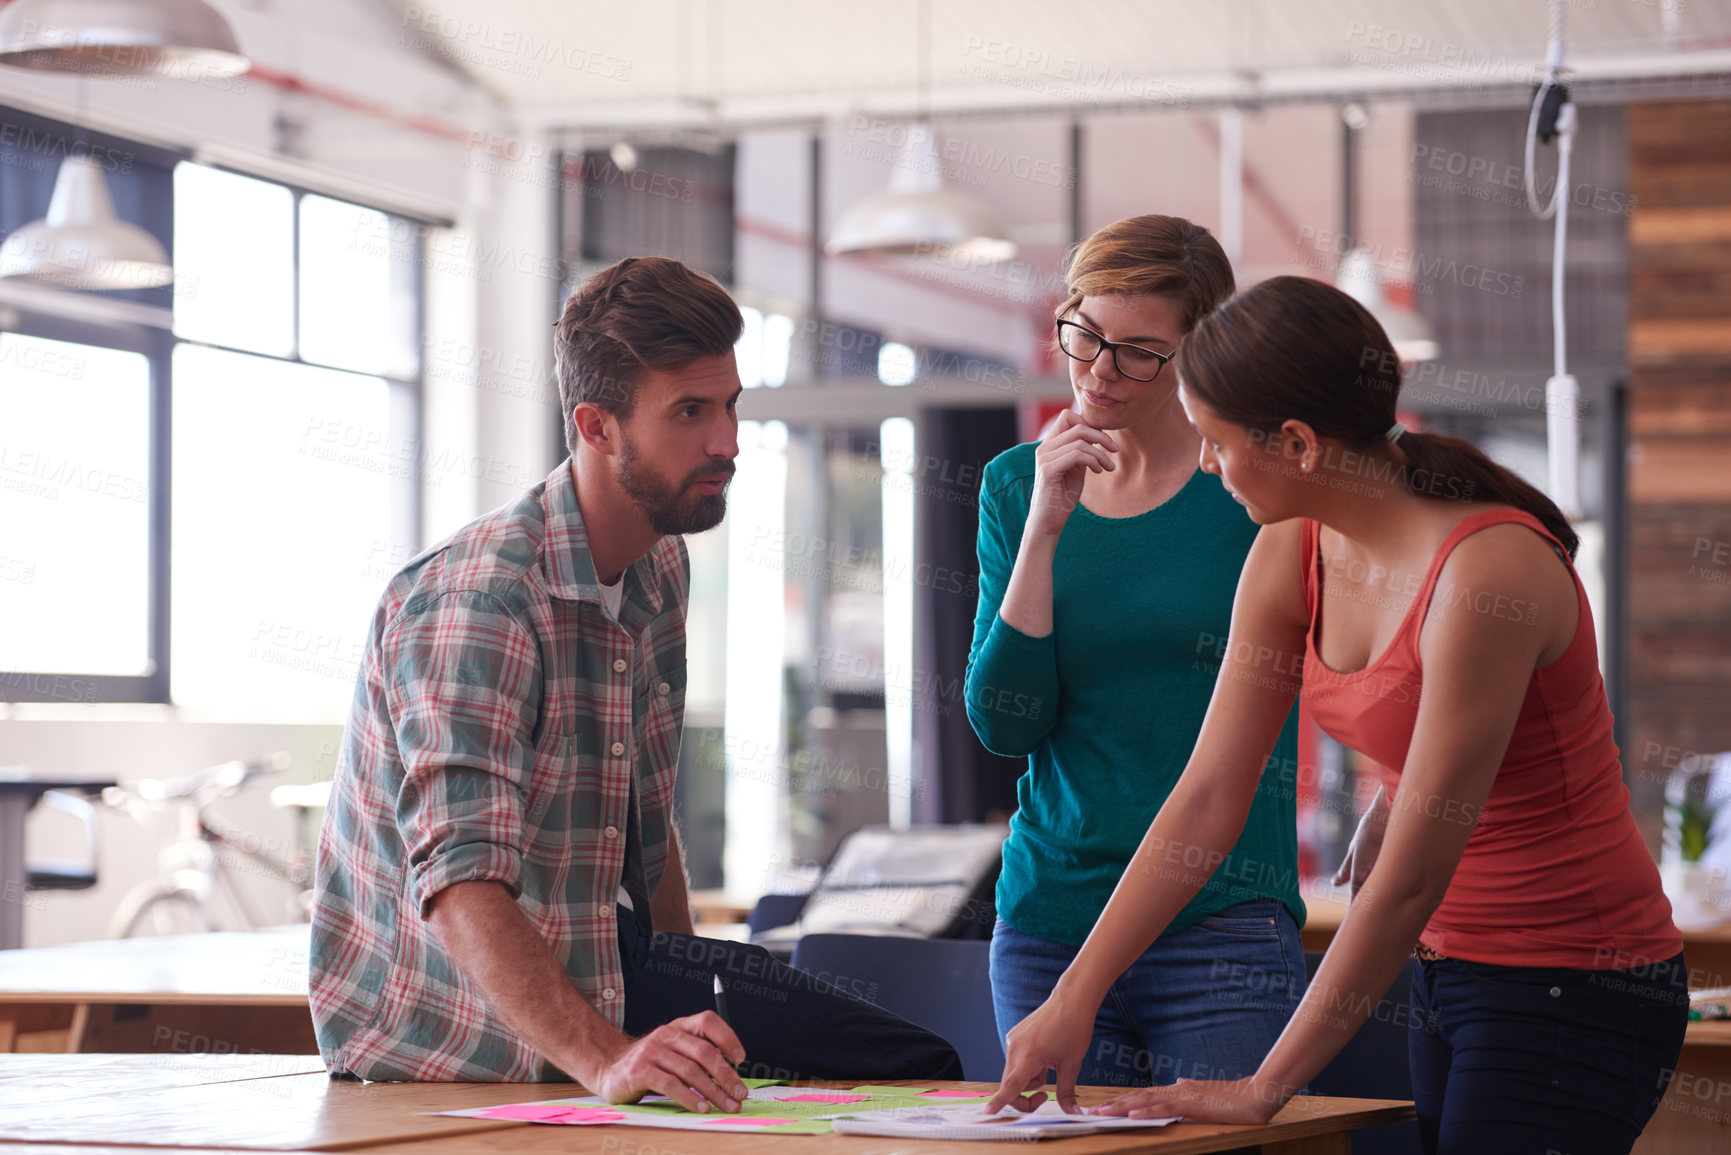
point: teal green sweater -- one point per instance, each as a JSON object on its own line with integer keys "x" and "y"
{"x": 1107, "y": 706}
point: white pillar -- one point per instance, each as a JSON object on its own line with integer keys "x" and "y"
{"x": 511, "y": 257}
{"x": 896, "y": 453}
{"x": 754, "y": 734}
{"x": 1232, "y": 183}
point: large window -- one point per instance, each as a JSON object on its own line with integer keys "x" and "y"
{"x": 203, "y": 502}
{"x": 74, "y": 500}
{"x": 234, "y": 245}
{"x": 299, "y": 396}
{"x": 83, "y": 405}
{"x": 281, "y": 525}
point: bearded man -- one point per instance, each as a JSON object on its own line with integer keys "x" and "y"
{"x": 501, "y": 891}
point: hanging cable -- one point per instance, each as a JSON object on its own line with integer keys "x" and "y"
{"x": 1553, "y": 118}
{"x": 1547, "y": 106}
{"x": 1559, "y": 244}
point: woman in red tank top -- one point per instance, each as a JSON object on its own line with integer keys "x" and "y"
{"x": 1423, "y": 600}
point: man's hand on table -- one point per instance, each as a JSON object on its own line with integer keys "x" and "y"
{"x": 689, "y": 1060}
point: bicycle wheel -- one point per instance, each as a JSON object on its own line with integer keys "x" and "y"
{"x": 160, "y": 912}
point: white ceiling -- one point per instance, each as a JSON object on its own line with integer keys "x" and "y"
{"x": 577, "y": 63}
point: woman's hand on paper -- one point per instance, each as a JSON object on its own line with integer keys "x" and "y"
{"x": 1238, "y": 1101}
{"x": 1053, "y": 1038}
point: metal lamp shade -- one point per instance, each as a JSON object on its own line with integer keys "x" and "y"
{"x": 918, "y": 215}
{"x": 927, "y": 222}
{"x": 178, "y": 38}
{"x": 81, "y": 244}
{"x": 1410, "y": 334}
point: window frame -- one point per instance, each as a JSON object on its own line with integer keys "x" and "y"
{"x": 152, "y": 686}
{"x": 156, "y": 340}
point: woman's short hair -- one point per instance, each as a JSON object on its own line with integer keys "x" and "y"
{"x": 1168, "y": 256}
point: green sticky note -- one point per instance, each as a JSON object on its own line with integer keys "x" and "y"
{"x": 750, "y": 1083}
{"x": 803, "y": 1127}
{"x": 667, "y": 1108}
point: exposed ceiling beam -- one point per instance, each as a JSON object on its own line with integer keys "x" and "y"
{"x": 1658, "y": 75}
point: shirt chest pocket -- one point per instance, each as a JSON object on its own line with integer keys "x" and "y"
{"x": 662, "y": 714}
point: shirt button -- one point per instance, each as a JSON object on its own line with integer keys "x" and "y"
{"x": 608, "y": 992}
{"x": 606, "y": 911}
{"x": 618, "y": 665}
{"x": 611, "y": 832}
{"x": 663, "y": 689}
{"x": 618, "y": 748}
{"x": 1556, "y": 992}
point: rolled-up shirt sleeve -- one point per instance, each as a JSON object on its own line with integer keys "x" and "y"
{"x": 463, "y": 680}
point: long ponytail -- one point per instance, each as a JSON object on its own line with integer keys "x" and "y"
{"x": 1293, "y": 348}
{"x": 1440, "y": 456}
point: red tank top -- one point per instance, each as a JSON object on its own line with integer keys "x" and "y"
{"x": 1555, "y": 873}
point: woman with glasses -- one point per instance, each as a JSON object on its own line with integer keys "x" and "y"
{"x": 1107, "y": 565}
{"x": 1551, "y": 998}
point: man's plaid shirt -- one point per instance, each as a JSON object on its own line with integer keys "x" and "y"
{"x": 498, "y": 717}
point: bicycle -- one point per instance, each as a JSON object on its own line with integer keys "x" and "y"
{"x": 210, "y": 852}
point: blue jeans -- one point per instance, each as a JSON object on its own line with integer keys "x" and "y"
{"x": 1543, "y": 1059}
{"x": 1205, "y": 1002}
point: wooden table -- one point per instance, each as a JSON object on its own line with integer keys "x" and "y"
{"x": 276, "y": 1103}
{"x": 233, "y": 992}
{"x": 716, "y": 906}
{"x": 1322, "y": 917}
{"x": 228, "y": 992}
{"x": 1694, "y": 1118}
{"x": 1708, "y": 952}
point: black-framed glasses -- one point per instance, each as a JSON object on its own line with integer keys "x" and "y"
{"x": 1137, "y": 362}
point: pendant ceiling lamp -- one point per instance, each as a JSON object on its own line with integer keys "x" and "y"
{"x": 1410, "y": 334}
{"x": 178, "y": 38}
{"x": 919, "y": 215}
{"x": 81, "y": 244}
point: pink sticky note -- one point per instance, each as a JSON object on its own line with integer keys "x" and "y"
{"x": 589, "y": 1115}
{"x": 833, "y": 1097}
{"x": 748, "y": 1121}
{"x": 953, "y": 1095}
{"x": 551, "y": 1113}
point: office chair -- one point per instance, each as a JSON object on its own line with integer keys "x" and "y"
{"x": 943, "y": 985}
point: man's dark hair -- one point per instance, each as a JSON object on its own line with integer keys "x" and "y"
{"x": 641, "y": 313}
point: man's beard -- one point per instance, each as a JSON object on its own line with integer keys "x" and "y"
{"x": 669, "y": 508}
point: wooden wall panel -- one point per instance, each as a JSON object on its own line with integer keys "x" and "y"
{"x": 1680, "y": 153}
{"x": 1678, "y": 606}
